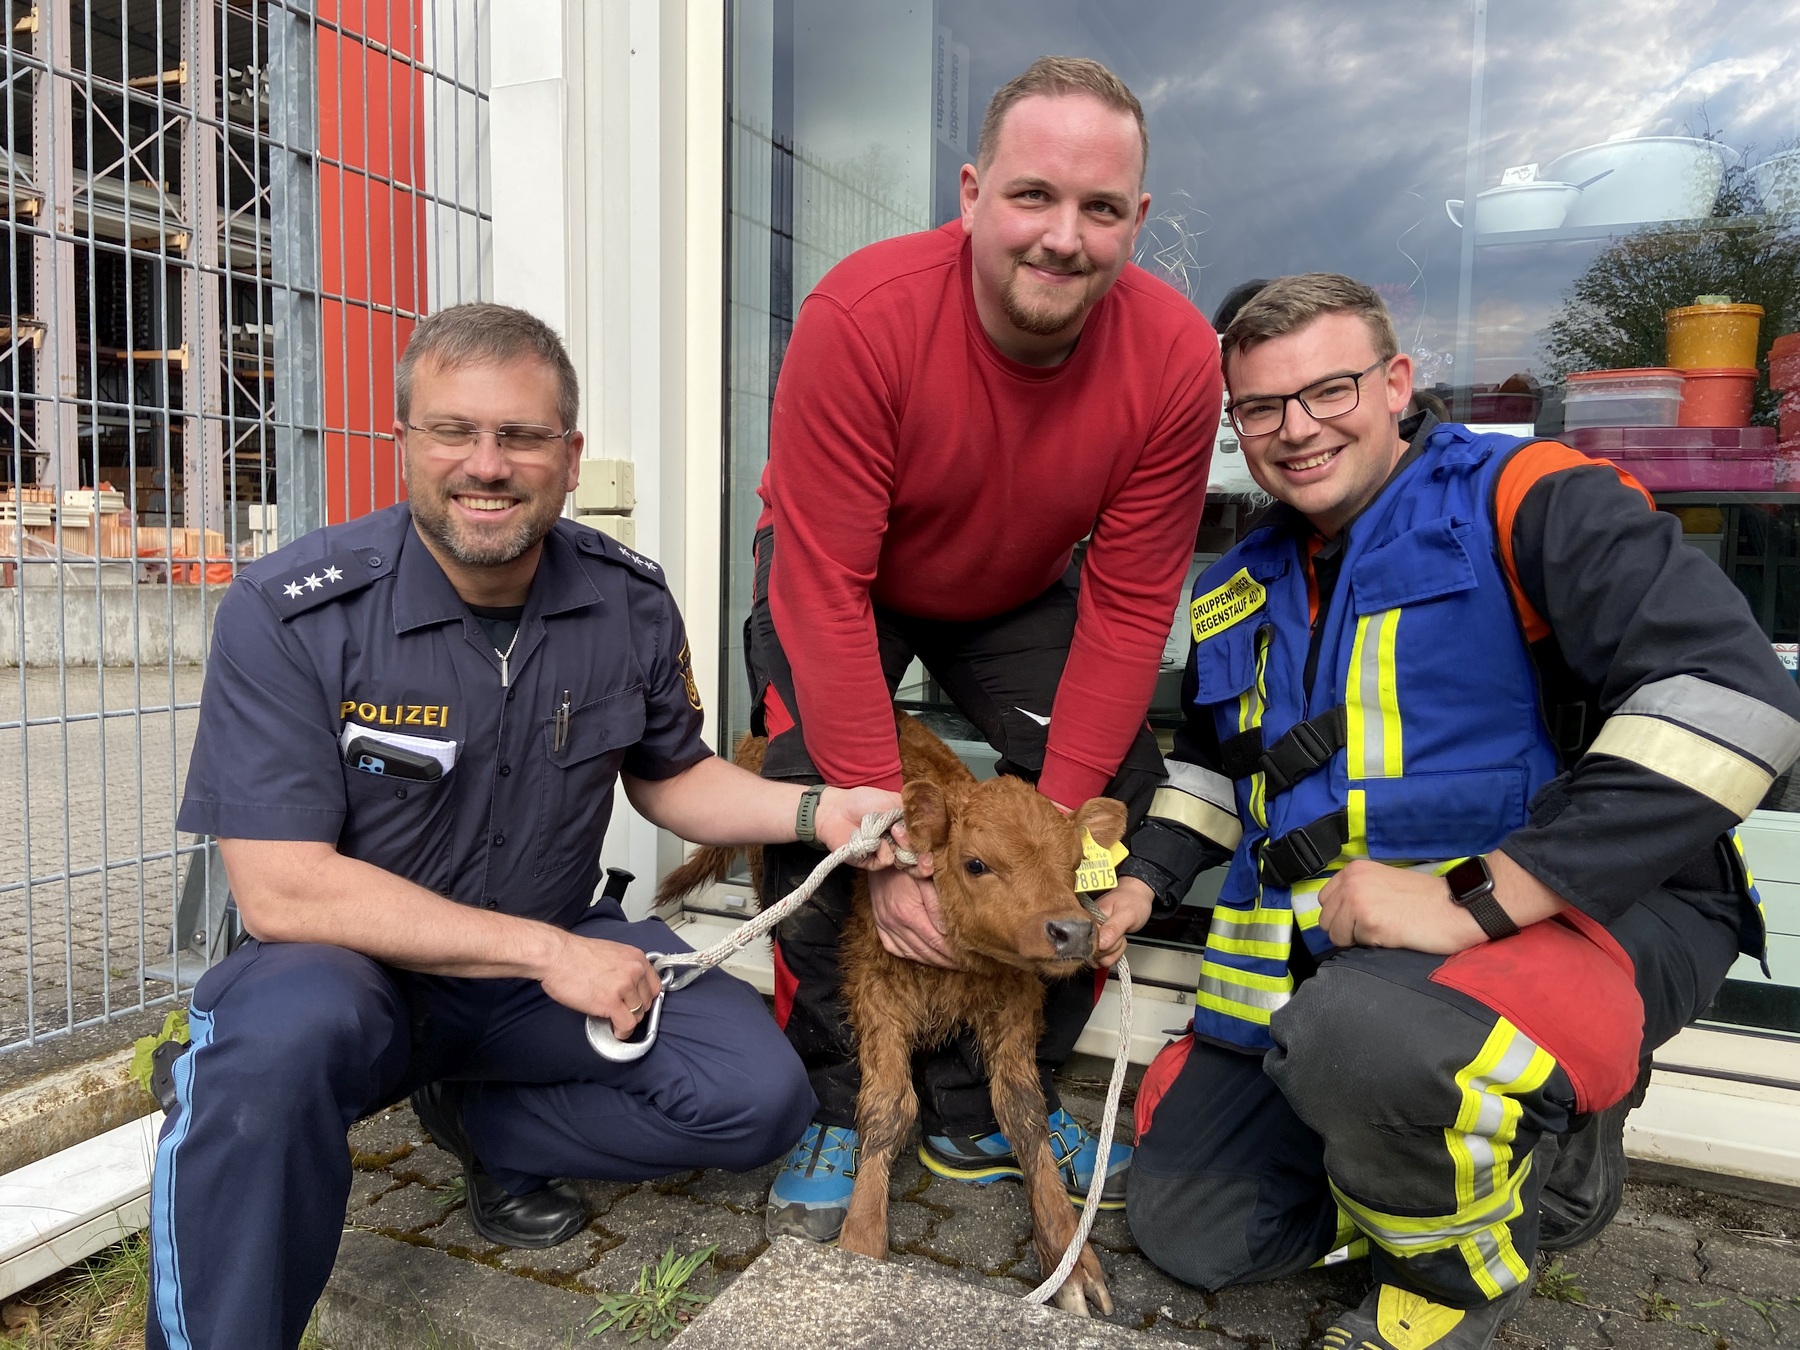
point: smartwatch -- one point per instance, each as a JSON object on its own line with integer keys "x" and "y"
{"x": 1472, "y": 887}
{"x": 807, "y": 814}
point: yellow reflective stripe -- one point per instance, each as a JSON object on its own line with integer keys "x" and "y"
{"x": 1688, "y": 758}
{"x": 1243, "y": 1012}
{"x": 1251, "y": 705}
{"x": 1373, "y": 745}
{"x": 1408, "y": 1236}
{"x": 1248, "y": 981}
{"x": 1508, "y": 1065}
{"x": 1198, "y": 815}
{"x": 1240, "y": 994}
{"x": 1265, "y": 933}
{"x": 1356, "y": 812}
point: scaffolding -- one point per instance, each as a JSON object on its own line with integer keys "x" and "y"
{"x": 222, "y": 219}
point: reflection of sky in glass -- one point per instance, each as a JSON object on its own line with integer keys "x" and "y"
{"x": 1299, "y": 134}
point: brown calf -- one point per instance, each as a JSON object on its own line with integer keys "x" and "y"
{"x": 1005, "y": 861}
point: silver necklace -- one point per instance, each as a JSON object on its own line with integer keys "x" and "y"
{"x": 506, "y": 655}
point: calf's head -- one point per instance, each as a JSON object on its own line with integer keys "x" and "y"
{"x": 1005, "y": 868}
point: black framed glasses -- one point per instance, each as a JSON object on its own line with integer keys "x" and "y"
{"x": 512, "y": 440}
{"x": 1322, "y": 400}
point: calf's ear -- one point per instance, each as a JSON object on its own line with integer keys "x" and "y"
{"x": 1103, "y": 818}
{"x": 927, "y": 815}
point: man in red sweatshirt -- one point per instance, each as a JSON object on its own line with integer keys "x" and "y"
{"x": 956, "y": 411}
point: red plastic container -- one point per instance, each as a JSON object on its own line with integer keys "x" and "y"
{"x": 1716, "y": 398}
{"x": 1784, "y": 362}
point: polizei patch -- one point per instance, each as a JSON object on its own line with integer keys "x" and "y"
{"x": 1218, "y": 609}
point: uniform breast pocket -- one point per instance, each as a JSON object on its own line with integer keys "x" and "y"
{"x": 1225, "y": 665}
{"x": 579, "y": 774}
{"x": 401, "y": 825}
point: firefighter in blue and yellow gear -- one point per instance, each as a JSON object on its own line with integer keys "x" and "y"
{"x": 1471, "y": 728}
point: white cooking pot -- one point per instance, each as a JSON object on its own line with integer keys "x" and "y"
{"x": 1778, "y": 182}
{"x": 1651, "y": 178}
{"x": 1517, "y": 206}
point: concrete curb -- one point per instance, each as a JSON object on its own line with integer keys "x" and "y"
{"x": 798, "y": 1296}
{"x": 68, "y": 1106}
{"x": 389, "y": 1295}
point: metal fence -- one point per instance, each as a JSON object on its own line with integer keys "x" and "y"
{"x": 223, "y": 218}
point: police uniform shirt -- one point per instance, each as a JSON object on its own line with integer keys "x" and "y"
{"x": 353, "y": 640}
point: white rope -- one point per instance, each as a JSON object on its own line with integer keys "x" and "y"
{"x": 864, "y": 842}
{"x": 1109, "y": 1122}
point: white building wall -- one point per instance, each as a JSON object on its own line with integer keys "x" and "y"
{"x": 608, "y": 120}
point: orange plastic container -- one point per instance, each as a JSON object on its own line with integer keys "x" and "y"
{"x": 1716, "y": 398}
{"x": 1713, "y": 337}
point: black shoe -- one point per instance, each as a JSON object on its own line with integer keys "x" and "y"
{"x": 1392, "y": 1318}
{"x": 544, "y": 1218}
{"x": 1587, "y": 1180}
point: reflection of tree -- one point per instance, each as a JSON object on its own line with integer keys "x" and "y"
{"x": 1612, "y": 316}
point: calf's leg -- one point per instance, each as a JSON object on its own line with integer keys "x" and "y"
{"x": 886, "y": 1107}
{"x": 1007, "y": 1045}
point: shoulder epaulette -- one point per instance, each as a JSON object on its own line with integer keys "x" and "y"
{"x": 323, "y": 580}
{"x": 599, "y": 544}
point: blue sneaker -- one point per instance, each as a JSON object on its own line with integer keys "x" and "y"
{"x": 811, "y": 1195}
{"x": 984, "y": 1158}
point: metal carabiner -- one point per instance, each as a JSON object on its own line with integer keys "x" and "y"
{"x": 643, "y": 1035}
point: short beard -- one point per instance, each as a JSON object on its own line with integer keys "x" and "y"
{"x": 434, "y": 524}
{"x": 1038, "y": 322}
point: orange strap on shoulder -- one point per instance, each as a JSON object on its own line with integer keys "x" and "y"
{"x": 1529, "y": 465}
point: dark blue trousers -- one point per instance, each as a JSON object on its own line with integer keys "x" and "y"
{"x": 293, "y": 1042}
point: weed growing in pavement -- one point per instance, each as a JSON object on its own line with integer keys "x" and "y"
{"x": 1559, "y": 1284}
{"x": 452, "y": 1193}
{"x": 1660, "y": 1308}
{"x": 661, "y": 1304}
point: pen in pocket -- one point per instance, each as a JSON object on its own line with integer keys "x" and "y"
{"x": 562, "y": 723}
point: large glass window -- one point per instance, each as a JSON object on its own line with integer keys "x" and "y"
{"x": 1533, "y": 185}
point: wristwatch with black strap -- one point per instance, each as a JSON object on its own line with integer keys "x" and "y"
{"x": 806, "y": 817}
{"x": 1472, "y": 887}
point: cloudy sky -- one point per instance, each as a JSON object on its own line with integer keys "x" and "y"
{"x": 1303, "y": 134}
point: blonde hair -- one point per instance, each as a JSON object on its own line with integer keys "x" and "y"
{"x": 1059, "y": 76}
{"x": 1290, "y": 303}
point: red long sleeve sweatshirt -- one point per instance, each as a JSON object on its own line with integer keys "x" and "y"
{"x": 914, "y": 466}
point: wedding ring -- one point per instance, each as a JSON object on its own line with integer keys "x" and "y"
{"x": 635, "y": 1011}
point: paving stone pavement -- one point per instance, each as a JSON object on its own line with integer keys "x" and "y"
{"x": 94, "y": 802}
{"x": 1679, "y": 1270}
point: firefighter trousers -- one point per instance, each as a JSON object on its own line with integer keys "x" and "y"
{"x": 1392, "y": 1107}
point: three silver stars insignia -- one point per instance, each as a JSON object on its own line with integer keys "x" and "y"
{"x": 312, "y": 582}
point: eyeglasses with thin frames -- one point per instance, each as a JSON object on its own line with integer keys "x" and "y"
{"x": 518, "y": 442}
{"x": 1333, "y": 396}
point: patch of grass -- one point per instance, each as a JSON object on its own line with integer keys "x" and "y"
{"x": 1559, "y": 1284}
{"x": 452, "y": 1193}
{"x": 1660, "y": 1308}
{"x": 98, "y": 1304}
{"x": 661, "y": 1303}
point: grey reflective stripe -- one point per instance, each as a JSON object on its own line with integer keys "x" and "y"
{"x": 1202, "y": 817}
{"x": 1490, "y": 1113}
{"x": 1498, "y": 1271}
{"x": 1250, "y": 932}
{"x": 1202, "y": 783}
{"x": 1697, "y": 762}
{"x": 1270, "y": 1000}
{"x": 1747, "y": 725}
{"x": 1454, "y": 1226}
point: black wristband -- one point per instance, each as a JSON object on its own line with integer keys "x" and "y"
{"x": 1472, "y": 886}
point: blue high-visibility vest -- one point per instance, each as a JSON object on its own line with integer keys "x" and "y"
{"x": 1423, "y": 718}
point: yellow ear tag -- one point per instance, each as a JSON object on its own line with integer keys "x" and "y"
{"x": 1099, "y": 866}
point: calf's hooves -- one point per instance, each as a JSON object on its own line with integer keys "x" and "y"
{"x": 1085, "y": 1286}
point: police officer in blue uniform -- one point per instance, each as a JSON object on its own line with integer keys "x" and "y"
{"x": 1471, "y": 728}
{"x": 409, "y": 738}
